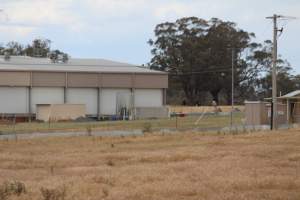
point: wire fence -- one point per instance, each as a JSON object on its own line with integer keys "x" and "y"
{"x": 203, "y": 121}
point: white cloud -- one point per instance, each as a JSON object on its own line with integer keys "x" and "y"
{"x": 78, "y": 22}
{"x": 116, "y": 8}
{"x": 40, "y": 13}
{"x": 171, "y": 10}
{"x": 15, "y": 31}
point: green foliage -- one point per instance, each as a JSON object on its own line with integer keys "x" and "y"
{"x": 38, "y": 48}
{"x": 15, "y": 187}
{"x": 198, "y": 55}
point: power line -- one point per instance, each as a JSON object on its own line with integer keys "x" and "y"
{"x": 201, "y": 72}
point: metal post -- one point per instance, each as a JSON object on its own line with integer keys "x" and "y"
{"x": 132, "y": 100}
{"x": 29, "y": 103}
{"x": 66, "y": 88}
{"x": 288, "y": 112}
{"x": 99, "y": 103}
{"x": 65, "y": 95}
{"x": 29, "y": 98}
{"x": 164, "y": 96}
{"x": 132, "y": 104}
{"x": 271, "y": 117}
{"x": 232, "y": 87}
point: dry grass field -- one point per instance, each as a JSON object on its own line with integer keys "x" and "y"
{"x": 184, "y": 166}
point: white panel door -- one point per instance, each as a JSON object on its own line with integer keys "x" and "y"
{"x": 113, "y": 99}
{"x": 46, "y": 95}
{"x": 14, "y": 100}
{"x": 148, "y": 98}
{"x": 87, "y": 96}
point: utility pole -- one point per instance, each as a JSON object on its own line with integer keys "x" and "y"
{"x": 274, "y": 112}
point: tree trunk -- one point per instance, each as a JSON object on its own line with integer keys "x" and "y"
{"x": 215, "y": 94}
{"x": 228, "y": 95}
{"x": 191, "y": 97}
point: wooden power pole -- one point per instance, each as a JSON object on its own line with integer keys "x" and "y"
{"x": 274, "y": 112}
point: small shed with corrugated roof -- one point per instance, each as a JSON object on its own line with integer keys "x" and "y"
{"x": 292, "y": 101}
{"x": 259, "y": 112}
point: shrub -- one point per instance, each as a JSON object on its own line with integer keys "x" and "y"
{"x": 11, "y": 188}
{"x": 89, "y": 130}
{"x": 147, "y": 127}
{"x": 15, "y": 187}
{"x": 110, "y": 163}
{"x": 105, "y": 192}
{"x": 3, "y": 194}
{"x": 54, "y": 194}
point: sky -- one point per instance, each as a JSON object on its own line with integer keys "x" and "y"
{"x": 119, "y": 29}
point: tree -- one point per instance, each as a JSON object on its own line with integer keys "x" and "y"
{"x": 38, "y": 48}
{"x": 178, "y": 50}
{"x": 197, "y": 54}
{"x": 285, "y": 81}
{"x": 14, "y": 48}
{"x": 296, "y": 81}
{"x": 224, "y": 40}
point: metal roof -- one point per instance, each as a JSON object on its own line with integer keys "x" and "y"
{"x": 291, "y": 95}
{"x": 25, "y": 63}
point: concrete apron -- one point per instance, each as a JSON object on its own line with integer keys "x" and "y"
{"x": 70, "y": 134}
{"x": 137, "y": 132}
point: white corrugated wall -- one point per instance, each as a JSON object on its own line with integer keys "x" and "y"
{"x": 87, "y": 96}
{"x": 111, "y": 98}
{"x": 148, "y": 97}
{"x": 14, "y": 100}
{"x": 46, "y": 95}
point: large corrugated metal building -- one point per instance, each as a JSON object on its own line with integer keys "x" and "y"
{"x": 99, "y": 84}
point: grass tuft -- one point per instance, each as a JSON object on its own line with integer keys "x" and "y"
{"x": 54, "y": 194}
{"x": 12, "y": 188}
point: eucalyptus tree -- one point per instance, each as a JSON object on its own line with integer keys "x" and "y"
{"x": 198, "y": 54}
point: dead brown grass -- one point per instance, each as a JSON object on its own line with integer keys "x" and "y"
{"x": 183, "y": 166}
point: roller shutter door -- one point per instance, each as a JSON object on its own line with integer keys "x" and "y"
{"x": 113, "y": 99}
{"x": 46, "y": 95}
{"x": 14, "y": 100}
{"x": 87, "y": 96}
{"x": 148, "y": 98}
